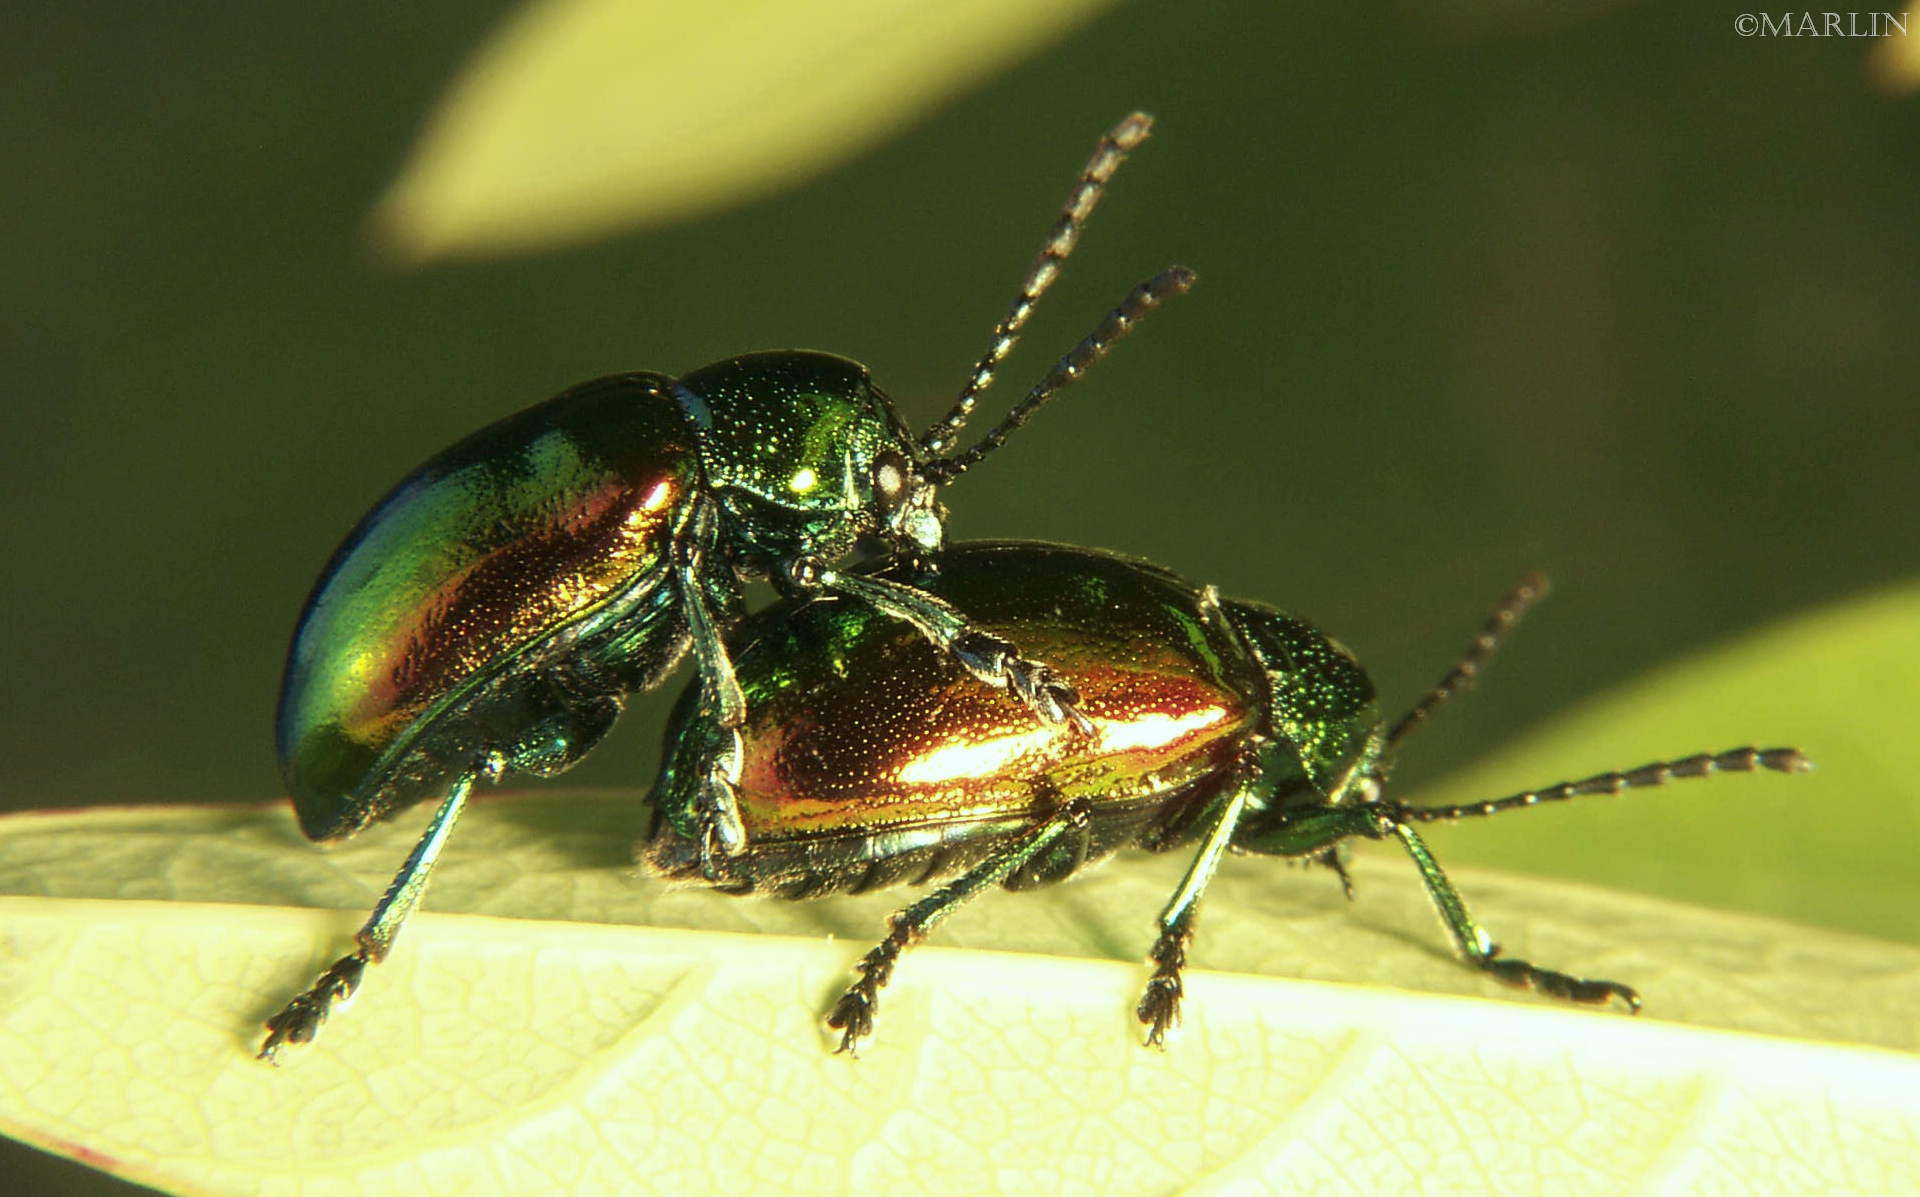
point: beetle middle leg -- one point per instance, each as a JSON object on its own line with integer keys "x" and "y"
{"x": 1159, "y": 1006}
{"x": 853, "y": 1014}
{"x": 987, "y": 657}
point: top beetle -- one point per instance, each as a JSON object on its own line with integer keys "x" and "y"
{"x": 490, "y": 614}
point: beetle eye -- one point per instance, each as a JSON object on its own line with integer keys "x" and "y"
{"x": 890, "y": 479}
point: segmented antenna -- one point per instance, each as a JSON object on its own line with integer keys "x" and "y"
{"x": 1174, "y": 280}
{"x": 1659, "y": 773}
{"x": 1107, "y": 157}
{"x": 1530, "y": 590}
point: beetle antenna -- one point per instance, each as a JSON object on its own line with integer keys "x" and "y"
{"x": 1107, "y": 157}
{"x": 1174, "y": 280}
{"x": 1659, "y": 773}
{"x": 1530, "y": 590}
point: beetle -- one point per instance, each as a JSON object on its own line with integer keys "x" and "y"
{"x": 492, "y": 612}
{"x": 1215, "y": 725}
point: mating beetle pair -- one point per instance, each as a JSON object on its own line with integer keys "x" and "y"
{"x": 493, "y": 611}
{"x": 491, "y": 614}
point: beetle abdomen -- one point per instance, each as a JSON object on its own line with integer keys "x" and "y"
{"x": 546, "y": 524}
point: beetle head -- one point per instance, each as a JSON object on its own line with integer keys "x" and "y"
{"x": 806, "y": 455}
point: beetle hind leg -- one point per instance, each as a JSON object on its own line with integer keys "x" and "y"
{"x": 300, "y": 1020}
{"x": 1159, "y": 1007}
{"x": 852, "y": 1015}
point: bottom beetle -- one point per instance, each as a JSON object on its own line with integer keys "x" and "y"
{"x": 867, "y": 760}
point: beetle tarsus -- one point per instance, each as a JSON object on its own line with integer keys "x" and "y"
{"x": 998, "y": 663}
{"x": 722, "y": 831}
{"x": 1522, "y": 975}
{"x": 302, "y": 1018}
{"x": 853, "y": 1014}
{"x": 1159, "y": 1006}
{"x": 1331, "y": 859}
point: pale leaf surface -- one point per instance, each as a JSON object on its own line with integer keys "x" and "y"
{"x": 522, "y": 1040}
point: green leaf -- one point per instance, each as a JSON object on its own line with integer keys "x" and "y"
{"x": 529, "y": 1034}
{"x": 583, "y": 116}
{"x": 1837, "y": 846}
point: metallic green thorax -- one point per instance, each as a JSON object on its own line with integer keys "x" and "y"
{"x": 866, "y": 752}
{"x": 788, "y": 442}
{"x": 1323, "y": 706}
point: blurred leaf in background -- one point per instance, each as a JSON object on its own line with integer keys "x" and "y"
{"x": 581, "y": 117}
{"x": 1896, "y": 60}
{"x": 1839, "y": 683}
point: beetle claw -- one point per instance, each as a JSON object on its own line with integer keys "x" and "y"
{"x": 852, "y": 1016}
{"x": 1159, "y": 1009}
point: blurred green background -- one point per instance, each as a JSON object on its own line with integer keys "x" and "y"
{"x": 1614, "y": 293}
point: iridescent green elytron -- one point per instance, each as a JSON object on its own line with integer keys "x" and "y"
{"x": 492, "y": 613}
{"x": 868, "y": 761}
{"x": 532, "y": 534}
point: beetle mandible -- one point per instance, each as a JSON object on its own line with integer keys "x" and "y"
{"x": 493, "y": 611}
{"x": 867, "y": 761}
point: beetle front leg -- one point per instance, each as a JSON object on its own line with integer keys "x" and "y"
{"x": 853, "y": 1014}
{"x": 1479, "y": 949}
{"x": 986, "y": 656}
{"x": 1311, "y": 830}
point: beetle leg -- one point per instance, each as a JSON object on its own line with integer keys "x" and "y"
{"x": 301, "y": 1019}
{"x": 722, "y": 689}
{"x": 1474, "y": 944}
{"x": 1159, "y": 1006}
{"x": 1313, "y": 829}
{"x": 717, "y": 809}
{"x": 987, "y": 657}
{"x": 853, "y": 1014}
{"x": 1479, "y": 949}
{"x": 1331, "y": 859}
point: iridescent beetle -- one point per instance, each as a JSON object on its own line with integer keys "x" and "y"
{"x": 492, "y": 612}
{"x": 867, "y": 761}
